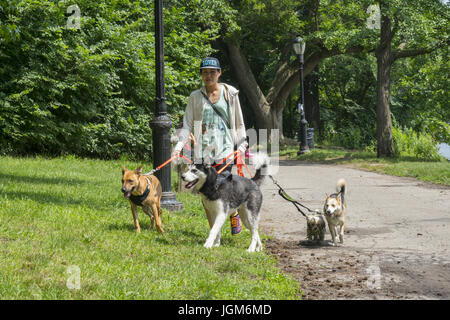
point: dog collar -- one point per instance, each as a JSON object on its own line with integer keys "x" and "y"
{"x": 137, "y": 200}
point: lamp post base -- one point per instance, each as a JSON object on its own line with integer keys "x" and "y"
{"x": 161, "y": 152}
{"x": 169, "y": 202}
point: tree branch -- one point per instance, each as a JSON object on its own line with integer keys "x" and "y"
{"x": 313, "y": 60}
{"x": 406, "y": 53}
{"x": 398, "y": 54}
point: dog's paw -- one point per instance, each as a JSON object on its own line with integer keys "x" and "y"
{"x": 208, "y": 244}
{"x": 253, "y": 248}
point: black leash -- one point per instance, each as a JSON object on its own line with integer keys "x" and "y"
{"x": 285, "y": 196}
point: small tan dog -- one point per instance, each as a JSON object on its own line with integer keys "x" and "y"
{"x": 334, "y": 211}
{"x": 143, "y": 191}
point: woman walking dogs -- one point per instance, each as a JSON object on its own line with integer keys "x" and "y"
{"x": 214, "y": 114}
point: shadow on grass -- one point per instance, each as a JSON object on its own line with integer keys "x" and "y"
{"x": 173, "y": 237}
{"x": 129, "y": 226}
{"x": 39, "y": 180}
{"x": 126, "y": 226}
{"x": 182, "y": 237}
{"x": 46, "y": 198}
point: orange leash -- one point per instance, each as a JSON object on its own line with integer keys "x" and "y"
{"x": 224, "y": 167}
{"x": 224, "y": 159}
{"x": 239, "y": 165}
{"x": 181, "y": 156}
{"x": 164, "y": 164}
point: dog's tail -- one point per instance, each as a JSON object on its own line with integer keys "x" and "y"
{"x": 261, "y": 162}
{"x": 341, "y": 187}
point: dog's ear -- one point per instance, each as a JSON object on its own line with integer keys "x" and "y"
{"x": 139, "y": 170}
{"x": 326, "y": 195}
{"x": 124, "y": 169}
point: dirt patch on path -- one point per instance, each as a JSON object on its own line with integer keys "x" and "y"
{"x": 396, "y": 242}
{"x": 329, "y": 273}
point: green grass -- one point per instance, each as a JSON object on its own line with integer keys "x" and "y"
{"x": 65, "y": 212}
{"x": 432, "y": 171}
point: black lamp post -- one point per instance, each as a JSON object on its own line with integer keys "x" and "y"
{"x": 161, "y": 123}
{"x": 299, "y": 48}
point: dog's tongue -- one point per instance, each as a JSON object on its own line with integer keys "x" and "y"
{"x": 127, "y": 194}
{"x": 189, "y": 185}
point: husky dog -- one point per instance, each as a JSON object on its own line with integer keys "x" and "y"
{"x": 315, "y": 227}
{"x": 222, "y": 197}
{"x": 334, "y": 211}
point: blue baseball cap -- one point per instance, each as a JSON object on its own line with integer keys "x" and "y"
{"x": 210, "y": 63}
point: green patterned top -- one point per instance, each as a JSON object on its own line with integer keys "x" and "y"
{"x": 217, "y": 141}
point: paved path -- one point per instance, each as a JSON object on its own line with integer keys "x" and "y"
{"x": 397, "y": 238}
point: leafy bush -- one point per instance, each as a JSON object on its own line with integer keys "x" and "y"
{"x": 90, "y": 91}
{"x": 347, "y": 137}
{"x": 422, "y": 145}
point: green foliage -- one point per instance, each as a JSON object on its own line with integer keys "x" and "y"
{"x": 90, "y": 91}
{"x": 407, "y": 142}
{"x": 347, "y": 137}
{"x": 8, "y": 28}
{"x": 420, "y": 98}
{"x": 347, "y": 101}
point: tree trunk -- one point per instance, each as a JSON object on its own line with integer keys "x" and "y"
{"x": 385, "y": 143}
{"x": 250, "y": 87}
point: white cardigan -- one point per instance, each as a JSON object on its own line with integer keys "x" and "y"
{"x": 193, "y": 116}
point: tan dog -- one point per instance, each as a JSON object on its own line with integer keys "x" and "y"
{"x": 334, "y": 211}
{"x": 143, "y": 191}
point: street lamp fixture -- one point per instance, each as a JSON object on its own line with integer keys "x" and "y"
{"x": 299, "y": 48}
